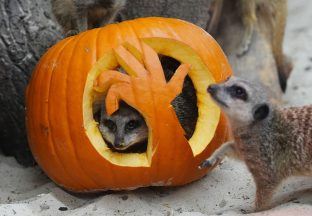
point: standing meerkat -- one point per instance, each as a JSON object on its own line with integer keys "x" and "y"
{"x": 275, "y": 143}
{"x": 79, "y": 15}
{"x": 274, "y": 14}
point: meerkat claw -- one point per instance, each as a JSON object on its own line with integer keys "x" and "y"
{"x": 71, "y": 33}
{"x": 207, "y": 163}
{"x": 243, "y": 48}
{"x": 245, "y": 44}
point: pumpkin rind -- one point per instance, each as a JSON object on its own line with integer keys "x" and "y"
{"x": 55, "y": 109}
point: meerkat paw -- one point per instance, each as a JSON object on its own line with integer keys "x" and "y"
{"x": 245, "y": 45}
{"x": 218, "y": 155}
{"x": 208, "y": 163}
{"x": 243, "y": 48}
{"x": 71, "y": 33}
{"x": 264, "y": 194}
{"x": 247, "y": 37}
{"x": 284, "y": 70}
{"x": 261, "y": 207}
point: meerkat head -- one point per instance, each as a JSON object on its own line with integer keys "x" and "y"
{"x": 124, "y": 130}
{"x": 243, "y": 102}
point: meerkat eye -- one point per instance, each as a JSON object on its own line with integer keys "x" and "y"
{"x": 238, "y": 92}
{"x": 132, "y": 125}
{"x": 110, "y": 125}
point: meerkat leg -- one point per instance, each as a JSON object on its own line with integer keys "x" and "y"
{"x": 111, "y": 12}
{"x": 264, "y": 194}
{"x": 278, "y": 15}
{"x": 109, "y": 17}
{"x": 219, "y": 154}
{"x": 66, "y": 14}
{"x": 82, "y": 21}
{"x": 248, "y": 13}
{"x": 284, "y": 68}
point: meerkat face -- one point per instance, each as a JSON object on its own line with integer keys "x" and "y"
{"x": 124, "y": 128}
{"x": 242, "y": 101}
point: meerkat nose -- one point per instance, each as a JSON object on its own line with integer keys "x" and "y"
{"x": 212, "y": 88}
{"x": 117, "y": 144}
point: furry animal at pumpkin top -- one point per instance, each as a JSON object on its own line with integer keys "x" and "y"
{"x": 126, "y": 130}
{"x": 79, "y": 15}
{"x": 274, "y": 142}
{"x": 274, "y": 13}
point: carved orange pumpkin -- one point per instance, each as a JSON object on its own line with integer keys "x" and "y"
{"x": 63, "y": 135}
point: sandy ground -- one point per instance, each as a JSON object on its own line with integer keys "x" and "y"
{"x": 228, "y": 190}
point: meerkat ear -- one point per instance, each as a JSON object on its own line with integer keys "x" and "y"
{"x": 261, "y": 111}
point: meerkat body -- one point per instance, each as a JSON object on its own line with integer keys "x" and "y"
{"x": 274, "y": 14}
{"x": 79, "y": 15}
{"x": 275, "y": 143}
{"x": 277, "y": 148}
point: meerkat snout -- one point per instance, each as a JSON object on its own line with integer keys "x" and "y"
{"x": 212, "y": 89}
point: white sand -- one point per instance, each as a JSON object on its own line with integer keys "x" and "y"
{"x": 229, "y": 189}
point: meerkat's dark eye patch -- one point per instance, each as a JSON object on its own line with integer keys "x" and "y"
{"x": 110, "y": 125}
{"x": 238, "y": 92}
{"x": 133, "y": 124}
{"x": 261, "y": 111}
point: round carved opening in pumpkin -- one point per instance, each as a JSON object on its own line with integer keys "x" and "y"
{"x": 115, "y": 128}
{"x": 146, "y": 89}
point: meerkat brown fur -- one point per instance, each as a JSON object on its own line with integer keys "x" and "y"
{"x": 274, "y": 14}
{"x": 79, "y": 15}
{"x": 275, "y": 143}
